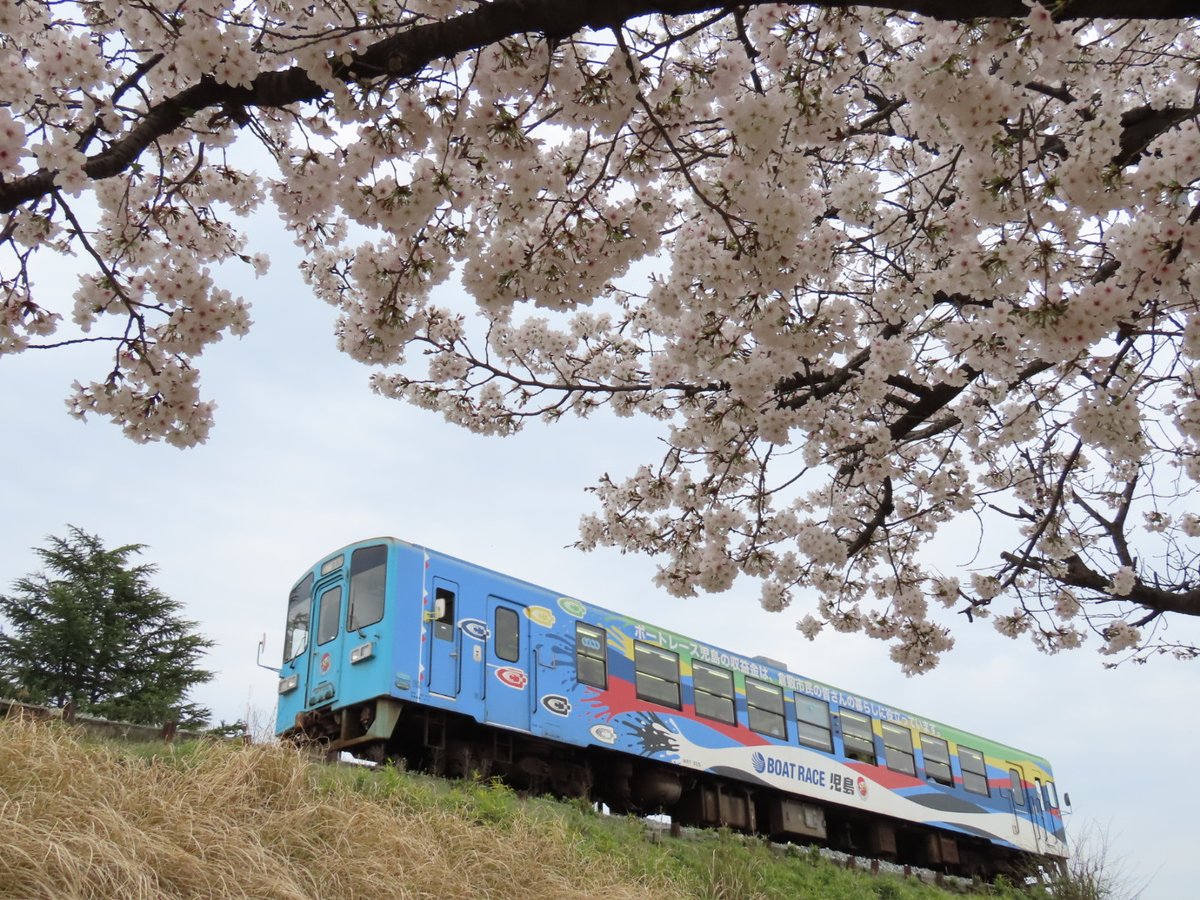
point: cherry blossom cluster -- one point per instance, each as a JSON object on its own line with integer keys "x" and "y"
{"x": 913, "y": 300}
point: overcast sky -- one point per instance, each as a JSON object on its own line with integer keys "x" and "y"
{"x": 304, "y": 459}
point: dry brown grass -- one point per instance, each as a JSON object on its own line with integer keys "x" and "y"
{"x": 83, "y": 820}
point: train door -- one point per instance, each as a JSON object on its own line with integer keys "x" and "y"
{"x": 507, "y": 689}
{"x": 1020, "y": 800}
{"x": 1041, "y": 815}
{"x": 325, "y": 657}
{"x": 445, "y": 640}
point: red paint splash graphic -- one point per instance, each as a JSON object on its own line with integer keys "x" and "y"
{"x": 621, "y": 697}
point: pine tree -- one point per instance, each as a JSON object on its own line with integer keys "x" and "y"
{"x": 91, "y": 629}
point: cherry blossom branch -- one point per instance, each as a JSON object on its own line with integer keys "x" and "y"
{"x": 959, "y": 275}
{"x": 405, "y": 54}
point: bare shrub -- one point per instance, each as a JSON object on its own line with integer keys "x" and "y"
{"x": 1095, "y": 872}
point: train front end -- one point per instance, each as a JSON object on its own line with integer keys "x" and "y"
{"x": 334, "y": 685}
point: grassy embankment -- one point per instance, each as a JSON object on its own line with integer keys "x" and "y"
{"x": 81, "y": 818}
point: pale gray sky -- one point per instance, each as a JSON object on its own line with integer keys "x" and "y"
{"x": 304, "y": 459}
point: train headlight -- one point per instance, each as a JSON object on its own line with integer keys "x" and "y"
{"x": 288, "y": 684}
{"x": 361, "y": 652}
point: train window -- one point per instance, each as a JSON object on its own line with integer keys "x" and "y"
{"x": 937, "y": 759}
{"x": 657, "y": 674}
{"x": 591, "y": 664}
{"x": 974, "y": 771}
{"x": 857, "y": 738}
{"x": 898, "y": 749}
{"x": 443, "y": 625}
{"x": 367, "y": 570}
{"x": 764, "y": 705}
{"x": 507, "y": 634}
{"x": 812, "y": 722}
{"x": 1050, "y": 794}
{"x": 1017, "y": 785}
{"x": 714, "y": 693}
{"x": 299, "y": 618}
{"x": 331, "y": 607}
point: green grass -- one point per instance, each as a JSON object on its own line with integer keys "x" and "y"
{"x": 84, "y": 818}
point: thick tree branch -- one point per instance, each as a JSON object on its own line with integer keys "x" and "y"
{"x": 1142, "y": 125}
{"x": 886, "y": 508}
{"x": 1080, "y": 575}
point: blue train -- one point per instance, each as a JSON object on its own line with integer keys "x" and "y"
{"x": 395, "y": 651}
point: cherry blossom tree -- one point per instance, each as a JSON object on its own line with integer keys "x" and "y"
{"x": 893, "y": 277}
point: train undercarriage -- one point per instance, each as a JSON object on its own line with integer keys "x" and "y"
{"x": 446, "y": 744}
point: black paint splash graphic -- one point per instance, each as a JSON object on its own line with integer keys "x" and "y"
{"x": 655, "y": 735}
{"x": 561, "y": 650}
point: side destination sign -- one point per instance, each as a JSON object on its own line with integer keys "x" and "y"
{"x": 756, "y": 669}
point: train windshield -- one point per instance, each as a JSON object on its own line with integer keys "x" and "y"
{"x": 1050, "y": 792}
{"x": 367, "y": 569}
{"x": 299, "y": 615}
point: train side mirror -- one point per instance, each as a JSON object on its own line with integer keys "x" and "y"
{"x": 1067, "y": 801}
{"x": 262, "y": 646}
